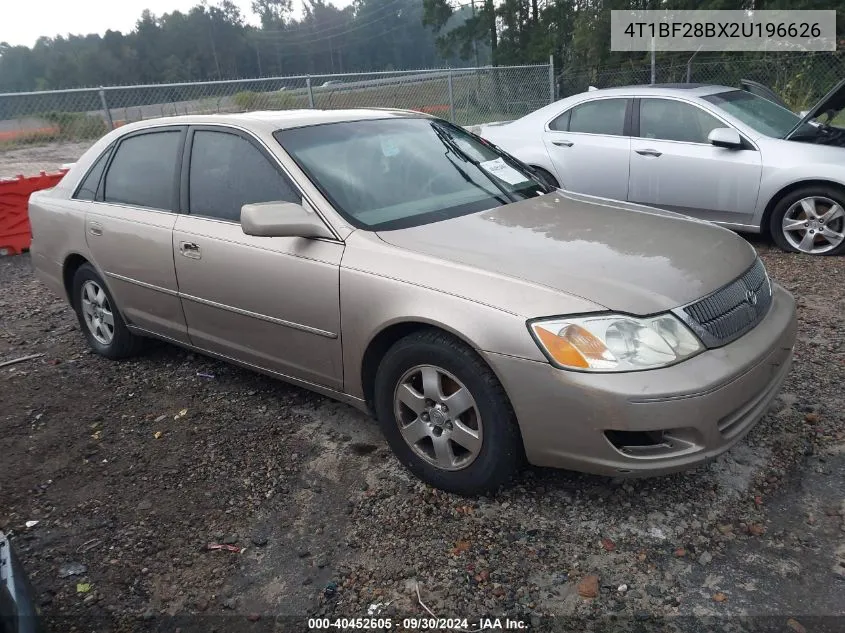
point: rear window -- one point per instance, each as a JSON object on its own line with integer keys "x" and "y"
{"x": 603, "y": 116}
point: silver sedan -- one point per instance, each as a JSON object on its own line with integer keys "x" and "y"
{"x": 721, "y": 154}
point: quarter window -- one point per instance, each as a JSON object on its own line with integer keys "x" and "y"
{"x": 602, "y": 116}
{"x": 88, "y": 188}
{"x": 561, "y": 123}
{"x": 143, "y": 171}
{"x": 670, "y": 120}
{"x": 227, "y": 172}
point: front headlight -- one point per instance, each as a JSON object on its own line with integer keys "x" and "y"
{"x": 614, "y": 342}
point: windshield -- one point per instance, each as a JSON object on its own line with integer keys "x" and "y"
{"x": 393, "y": 173}
{"x": 756, "y": 112}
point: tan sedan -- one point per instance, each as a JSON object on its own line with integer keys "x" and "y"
{"x": 400, "y": 264}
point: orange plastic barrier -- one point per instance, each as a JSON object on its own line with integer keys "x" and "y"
{"x": 29, "y": 133}
{"x": 15, "y": 233}
{"x": 434, "y": 109}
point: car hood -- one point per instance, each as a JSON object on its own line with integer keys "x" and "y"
{"x": 624, "y": 257}
{"x": 833, "y": 101}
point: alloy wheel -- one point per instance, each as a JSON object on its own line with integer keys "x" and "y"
{"x": 814, "y": 225}
{"x": 438, "y": 417}
{"x": 97, "y": 312}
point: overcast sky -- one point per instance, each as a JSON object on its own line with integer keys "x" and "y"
{"x": 25, "y": 21}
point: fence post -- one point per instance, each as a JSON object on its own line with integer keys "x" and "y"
{"x": 451, "y": 99}
{"x": 689, "y": 64}
{"x": 653, "y": 70}
{"x": 106, "y": 110}
{"x": 551, "y": 78}
{"x": 310, "y": 92}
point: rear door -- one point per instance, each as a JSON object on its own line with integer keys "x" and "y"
{"x": 271, "y": 302}
{"x": 590, "y": 147}
{"x": 674, "y": 166}
{"x": 129, "y": 228}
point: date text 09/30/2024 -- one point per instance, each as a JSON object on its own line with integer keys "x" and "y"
{"x": 416, "y": 624}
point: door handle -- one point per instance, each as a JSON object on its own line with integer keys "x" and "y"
{"x": 649, "y": 152}
{"x": 563, "y": 143}
{"x": 190, "y": 250}
{"x": 95, "y": 228}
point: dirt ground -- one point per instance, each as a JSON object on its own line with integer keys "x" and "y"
{"x": 30, "y": 160}
{"x": 131, "y": 468}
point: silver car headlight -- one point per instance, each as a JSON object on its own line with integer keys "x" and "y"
{"x": 614, "y": 342}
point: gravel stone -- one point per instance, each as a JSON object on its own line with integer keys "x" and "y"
{"x": 225, "y": 469}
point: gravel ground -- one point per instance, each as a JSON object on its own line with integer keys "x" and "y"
{"x": 131, "y": 468}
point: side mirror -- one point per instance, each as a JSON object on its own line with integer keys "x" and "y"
{"x": 281, "y": 219}
{"x": 725, "y": 137}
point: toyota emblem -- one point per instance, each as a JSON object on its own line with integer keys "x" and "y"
{"x": 751, "y": 297}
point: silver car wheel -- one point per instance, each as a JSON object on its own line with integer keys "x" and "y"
{"x": 97, "y": 312}
{"x": 814, "y": 225}
{"x": 438, "y": 417}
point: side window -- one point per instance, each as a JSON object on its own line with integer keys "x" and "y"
{"x": 561, "y": 123}
{"x": 227, "y": 172}
{"x": 670, "y": 120}
{"x": 602, "y": 116}
{"x": 87, "y": 189}
{"x": 143, "y": 171}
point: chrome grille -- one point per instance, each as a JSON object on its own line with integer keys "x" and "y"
{"x": 730, "y": 312}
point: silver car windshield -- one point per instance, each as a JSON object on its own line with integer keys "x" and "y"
{"x": 756, "y": 112}
{"x": 393, "y": 173}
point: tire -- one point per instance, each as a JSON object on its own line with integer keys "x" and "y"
{"x": 497, "y": 454}
{"x": 112, "y": 340}
{"x": 792, "y": 208}
{"x": 546, "y": 176}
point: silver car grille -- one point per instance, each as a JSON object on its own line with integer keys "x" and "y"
{"x": 733, "y": 310}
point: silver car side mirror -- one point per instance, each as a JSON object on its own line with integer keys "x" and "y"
{"x": 281, "y": 219}
{"x": 725, "y": 137}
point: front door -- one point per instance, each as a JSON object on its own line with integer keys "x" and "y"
{"x": 589, "y": 148}
{"x": 129, "y": 229}
{"x": 674, "y": 166}
{"x": 272, "y": 302}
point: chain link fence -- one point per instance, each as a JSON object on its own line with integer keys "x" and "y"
{"x": 463, "y": 95}
{"x": 40, "y": 130}
{"x": 800, "y": 79}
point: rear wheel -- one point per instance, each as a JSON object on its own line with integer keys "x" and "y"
{"x": 810, "y": 220}
{"x": 445, "y": 415}
{"x": 99, "y": 318}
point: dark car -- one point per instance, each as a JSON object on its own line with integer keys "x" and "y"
{"x": 18, "y": 613}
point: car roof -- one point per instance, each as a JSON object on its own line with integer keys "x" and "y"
{"x": 664, "y": 90}
{"x": 269, "y": 121}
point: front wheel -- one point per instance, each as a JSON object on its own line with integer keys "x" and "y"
{"x": 810, "y": 220}
{"x": 445, "y": 415}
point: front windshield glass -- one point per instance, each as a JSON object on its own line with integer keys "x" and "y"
{"x": 756, "y": 112}
{"x": 393, "y": 173}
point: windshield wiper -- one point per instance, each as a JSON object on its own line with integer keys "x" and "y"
{"x": 449, "y": 142}
{"x": 518, "y": 165}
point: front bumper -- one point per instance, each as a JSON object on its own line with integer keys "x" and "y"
{"x": 698, "y": 408}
